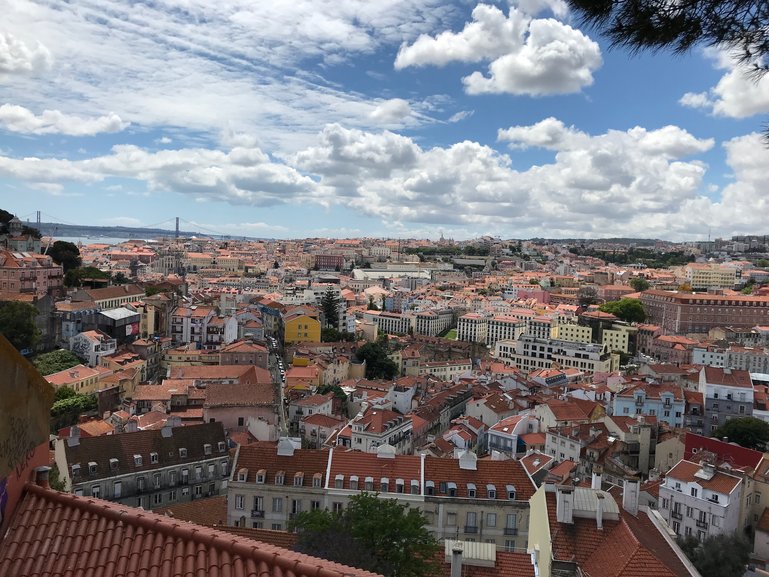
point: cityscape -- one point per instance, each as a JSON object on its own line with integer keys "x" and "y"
{"x": 410, "y": 288}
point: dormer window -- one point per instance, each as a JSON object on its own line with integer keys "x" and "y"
{"x": 75, "y": 470}
{"x": 298, "y": 479}
{"x": 430, "y": 487}
{"x": 491, "y": 491}
{"x": 369, "y": 483}
{"x": 243, "y": 475}
{"x": 113, "y": 463}
{"x": 353, "y": 482}
{"x": 182, "y": 453}
{"x": 399, "y": 484}
{"x": 451, "y": 488}
{"x": 153, "y": 458}
{"x": 280, "y": 477}
{"x": 260, "y": 476}
{"x": 339, "y": 481}
{"x": 207, "y": 449}
{"x": 384, "y": 485}
{"x": 414, "y": 487}
{"x": 471, "y": 490}
{"x": 511, "y": 492}
{"x": 91, "y": 468}
{"x": 222, "y": 446}
{"x": 317, "y": 480}
{"x": 138, "y": 460}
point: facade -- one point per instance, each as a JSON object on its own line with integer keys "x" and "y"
{"x": 529, "y": 353}
{"x": 146, "y": 468}
{"x": 111, "y": 297}
{"x": 300, "y": 328}
{"x": 91, "y": 346}
{"x": 504, "y": 436}
{"x": 188, "y": 324}
{"x": 504, "y": 328}
{"x": 702, "y": 276}
{"x": 683, "y": 313}
{"x": 727, "y": 394}
{"x": 665, "y": 402}
{"x": 700, "y": 500}
{"x": 481, "y": 500}
{"x": 446, "y": 370}
{"x": 433, "y": 323}
{"x": 376, "y": 427}
{"x": 29, "y": 273}
{"x": 393, "y": 323}
{"x": 473, "y": 328}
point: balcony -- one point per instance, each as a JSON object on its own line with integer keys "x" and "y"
{"x": 677, "y": 515}
{"x": 257, "y": 514}
{"x": 702, "y": 524}
{"x": 511, "y": 531}
{"x": 471, "y": 529}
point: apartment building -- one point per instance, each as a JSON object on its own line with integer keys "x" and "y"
{"x": 29, "y": 273}
{"x": 529, "y": 353}
{"x": 146, "y": 468}
{"x": 374, "y": 427}
{"x": 468, "y": 498}
{"x": 702, "y": 276}
{"x": 473, "y": 328}
{"x": 91, "y": 346}
{"x": 433, "y": 323}
{"x": 682, "y": 313}
{"x": 505, "y": 436}
{"x": 110, "y": 297}
{"x": 504, "y": 328}
{"x": 699, "y": 500}
{"x": 446, "y": 370}
{"x": 727, "y": 394}
{"x": 665, "y": 402}
{"x": 392, "y": 323}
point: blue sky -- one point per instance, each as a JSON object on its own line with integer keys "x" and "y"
{"x": 395, "y": 118}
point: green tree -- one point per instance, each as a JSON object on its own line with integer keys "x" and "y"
{"x": 378, "y": 364}
{"x": 372, "y": 305}
{"x": 63, "y": 393}
{"x": 762, "y": 263}
{"x": 329, "y": 304}
{"x": 379, "y": 535}
{"x": 66, "y": 254}
{"x": 722, "y": 555}
{"x": 747, "y": 432}
{"x": 120, "y": 278}
{"x": 55, "y": 480}
{"x": 628, "y": 310}
{"x": 55, "y": 361}
{"x": 76, "y": 276}
{"x": 17, "y": 323}
{"x": 639, "y": 284}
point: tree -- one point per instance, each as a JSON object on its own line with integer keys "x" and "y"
{"x": 628, "y": 310}
{"x": 55, "y": 361}
{"x": 66, "y": 254}
{"x": 371, "y": 304}
{"x": 741, "y": 26}
{"x": 639, "y": 284}
{"x": 329, "y": 304}
{"x": 722, "y": 555}
{"x": 76, "y": 276}
{"x": 63, "y": 393}
{"x": 120, "y": 278}
{"x": 587, "y": 295}
{"x": 17, "y": 323}
{"x": 747, "y": 432}
{"x": 379, "y": 535}
{"x": 378, "y": 364}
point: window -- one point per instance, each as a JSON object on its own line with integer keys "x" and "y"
{"x": 153, "y": 458}
{"x": 157, "y": 499}
{"x": 317, "y": 480}
{"x": 277, "y": 505}
{"x": 471, "y": 491}
{"x": 491, "y": 491}
{"x": 280, "y": 477}
{"x": 353, "y": 483}
{"x": 384, "y": 485}
{"x": 339, "y": 481}
{"x": 182, "y": 453}
{"x": 471, "y": 519}
{"x": 336, "y": 507}
{"x": 296, "y": 506}
{"x": 511, "y": 521}
{"x": 399, "y": 484}
{"x": 113, "y": 463}
{"x": 240, "y": 502}
{"x": 414, "y": 487}
{"x": 222, "y": 446}
{"x": 430, "y": 487}
{"x": 315, "y": 505}
{"x": 140, "y": 484}
{"x": 198, "y": 490}
{"x": 138, "y": 460}
{"x": 452, "y": 489}
{"x": 298, "y": 479}
{"x": 511, "y": 492}
{"x": 277, "y": 526}
{"x": 156, "y": 480}
{"x": 207, "y": 448}
{"x": 171, "y": 478}
{"x": 509, "y": 545}
{"x": 676, "y": 527}
{"x": 260, "y": 474}
{"x": 694, "y": 491}
{"x": 95, "y": 491}
{"x": 198, "y": 473}
{"x": 451, "y": 519}
{"x": 491, "y": 519}
{"x": 91, "y": 468}
{"x": 117, "y": 489}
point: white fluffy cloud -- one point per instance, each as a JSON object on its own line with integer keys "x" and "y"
{"x": 18, "y": 56}
{"x": 531, "y": 56}
{"x": 391, "y": 111}
{"x": 738, "y": 94}
{"x": 19, "y": 119}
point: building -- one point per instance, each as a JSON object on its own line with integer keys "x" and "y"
{"x": 505, "y": 436}
{"x": 700, "y": 500}
{"x": 446, "y": 370}
{"x": 703, "y": 276}
{"x": 482, "y": 500}
{"x": 727, "y": 394}
{"x": 504, "y": 328}
{"x": 529, "y": 353}
{"x": 146, "y": 468}
{"x": 374, "y": 427}
{"x": 683, "y": 313}
{"x": 665, "y": 402}
{"x": 92, "y": 346}
{"x": 110, "y": 297}
{"x": 300, "y": 328}
{"x": 30, "y": 273}
{"x": 473, "y": 328}
{"x": 433, "y": 323}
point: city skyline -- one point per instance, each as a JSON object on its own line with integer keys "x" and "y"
{"x": 400, "y": 119}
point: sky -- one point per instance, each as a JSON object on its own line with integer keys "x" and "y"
{"x": 386, "y": 118}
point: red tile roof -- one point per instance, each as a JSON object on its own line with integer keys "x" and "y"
{"x": 56, "y": 533}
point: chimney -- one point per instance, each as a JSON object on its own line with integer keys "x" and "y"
{"x": 74, "y": 436}
{"x": 456, "y": 559}
{"x": 596, "y": 482}
{"x": 564, "y": 504}
{"x": 630, "y": 493}
{"x": 41, "y": 477}
{"x": 599, "y": 510}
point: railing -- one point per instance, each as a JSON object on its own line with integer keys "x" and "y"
{"x": 677, "y": 515}
{"x": 471, "y": 529}
{"x": 257, "y": 514}
{"x": 702, "y": 524}
{"x": 511, "y": 531}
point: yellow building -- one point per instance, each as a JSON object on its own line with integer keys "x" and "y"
{"x": 573, "y": 333}
{"x": 617, "y": 339}
{"x": 81, "y": 379}
{"x": 301, "y": 328}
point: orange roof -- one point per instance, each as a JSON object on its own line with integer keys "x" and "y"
{"x": 720, "y": 482}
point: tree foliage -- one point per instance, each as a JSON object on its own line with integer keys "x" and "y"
{"x": 63, "y": 393}
{"x": 66, "y": 254}
{"x": 6, "y": 217}
{"x": 628, "y": 310}
{"x": 329, "y": 304}
{"x": 76, "y": 404}
{"x": 77, "y": 276}
{"x": 378, "y": 364}
{"x": 379, "y": 535}
{"x": 747, "y": 432}
{"x": 639, "y": 284}
{"x": 17, "y": 323}
{"x": 331, "y": 335}
{"x": 55, "y": 361}
{"x": 723, "y": 555}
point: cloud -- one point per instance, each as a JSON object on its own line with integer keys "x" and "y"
{"x": 527, "y": 56}
{"x": 738, "y": 94}
{"x": 22, "y": 120}
{"x": 461, "y": 115}
{"x": 122, "y": 221}
{"x": 391, "y": 111}
{"x": 17, "y": 57}
{"x": 549, "y": 133}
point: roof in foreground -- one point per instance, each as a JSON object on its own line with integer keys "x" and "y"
{"x": 55, "y": 533}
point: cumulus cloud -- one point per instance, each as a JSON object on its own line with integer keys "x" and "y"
{"x": 549, "y": 133}
{"x": 17, "y": 56}
{"x": 461, "y": 115}
{"x": 391, "y": 111}
{"x": 22, "y": 120}
{"x": 527, "y": 56}
{"x": 738, "y": 94}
